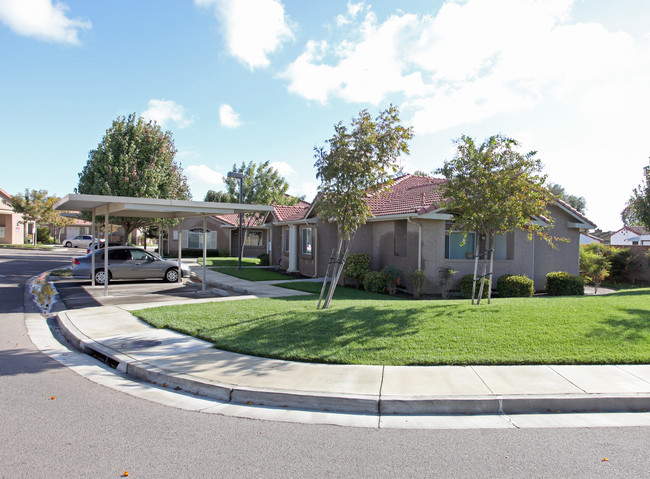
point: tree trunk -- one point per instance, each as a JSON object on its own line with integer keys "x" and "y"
{"x": 475, "y": 271}
{"x": 491, "y": 253}
{"x": 336, "y": 272}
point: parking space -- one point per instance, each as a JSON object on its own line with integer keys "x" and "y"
{"x": 77, "y": 293}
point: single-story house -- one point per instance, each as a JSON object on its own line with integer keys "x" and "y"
{"x": 411, "y": 230}
{"x": 630, "y": 236}
{"x": 11, "y": 223}
{"x": 223, "y": 235}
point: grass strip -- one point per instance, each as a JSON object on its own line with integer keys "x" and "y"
{"x": 611, "y": 329}
{"x": 253, "y": 274}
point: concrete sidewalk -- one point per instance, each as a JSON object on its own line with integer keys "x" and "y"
{"x": 113, "y": 335}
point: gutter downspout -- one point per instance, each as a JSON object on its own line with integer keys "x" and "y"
{"x": 419, "y": 225}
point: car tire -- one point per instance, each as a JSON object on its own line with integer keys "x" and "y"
{"x": 171, "y": 275}
{"x": 100, "y": 277}
{"x": 68, "y": 244}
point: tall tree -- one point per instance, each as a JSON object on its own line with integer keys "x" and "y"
{"x": 36, "y": 206}
{"x": 134, "y": 158}
{"x": 579, "y": 203}
{"x": 213, "y": 196}
{"x": 360, "y": 161}
{"x": 493, "y": 189}
{"x": 262, "y": 185}
{"x": 637, "y": 211}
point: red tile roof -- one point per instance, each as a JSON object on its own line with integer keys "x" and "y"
{"x": 408, "y": 194}
{"x": 232, "y": 219}
{"x": 289, "y": 213}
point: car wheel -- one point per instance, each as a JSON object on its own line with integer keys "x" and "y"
{"x": 68, "y": 244}
{"x": 100, "y": 277}
{"x": 171, "y": 276}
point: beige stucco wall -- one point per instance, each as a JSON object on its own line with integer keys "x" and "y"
{"x": 223, "y": 235}
{"x": 11, "y": 229}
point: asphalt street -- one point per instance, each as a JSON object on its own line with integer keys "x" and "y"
{"x": 56, "y": 424}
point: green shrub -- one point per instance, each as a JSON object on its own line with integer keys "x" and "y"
{"x": 356, "y": 266}
{"x": 619, "y": 259}
{"x": 393, "y": 278}
{"x": 466, "y": 286}
{"x": 43, "y": 235}
{"x": 264, "y": 259}
{"x": 561, "y": 283}
{"x": 594, "y": 267}
{"x": 444, "y": 276}
{"x": 198, "y": 253}
{"x": 514, "y": 286}
{"x": 418, "y": 280}
{"x": 375, "y": 282}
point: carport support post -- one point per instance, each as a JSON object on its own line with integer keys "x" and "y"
{"x": 92, "y": 251}
{"x": 205, "y": 250}
{"x": 105, "y": 253}
{"x": 180, "y": 236}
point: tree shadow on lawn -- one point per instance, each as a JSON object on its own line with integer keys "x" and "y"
{"x": 633, "y": 328}
{"x": 326, "y": 335}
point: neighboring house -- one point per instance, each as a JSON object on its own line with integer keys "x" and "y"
{"x": 411, "y": 230}
{"x": 256, "y": 234}
{"x": 12, "y": 230}
{"x": 192, "y": 236}
{"x": 631, "y": 235}
{"x": 588, "y": 238}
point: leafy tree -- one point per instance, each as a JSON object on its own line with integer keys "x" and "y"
{"x": 219, "y": 197}
{"x": 262, "y": 185}
{"x": 135, "y": 158}
{"x": 360, "y": 161}
{"x": 638, "y": 210}
{"x": 36, "y": 206}
{"x": 422, "y": 173}
{"x": 594, "y": 267}
{"x": 576, "y": 202}
{"x": 493, "y": 189}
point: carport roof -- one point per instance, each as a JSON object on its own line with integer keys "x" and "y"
{"x": 151, "y": 207}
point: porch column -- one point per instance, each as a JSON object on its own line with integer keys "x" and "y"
{"x": 293, "y": 249}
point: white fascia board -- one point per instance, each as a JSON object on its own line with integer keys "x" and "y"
{"x": 580, "y": 226}
{"x": 436, "y": 215}
{"x": 310, "y": 221}
{"x": 375, "y": 219}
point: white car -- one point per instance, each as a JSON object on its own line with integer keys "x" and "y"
{"x": 80, "y": 241}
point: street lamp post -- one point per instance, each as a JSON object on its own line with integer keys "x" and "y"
{"x": 240, "y": 176}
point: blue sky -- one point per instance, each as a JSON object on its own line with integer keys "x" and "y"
{"x": 242, "y": 80}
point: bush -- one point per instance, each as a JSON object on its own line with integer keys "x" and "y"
{"x": 594, "y": 267}
{"x": 514, "y": 286}
{"x": 393, "y": 277}
{"x": 561, "y": 283}
{"x": 197, "y": 253}
{"x": 466, "y": 286}
{"x": 356, "y": 266}
{"x": 264, "y": 259}
{"x": 445, "y": 275}
{"x": 375, "y": 282}
{"x": 43, "y": 235}
{"x": 418, "y": 280}
{"x": 619, "y": 259}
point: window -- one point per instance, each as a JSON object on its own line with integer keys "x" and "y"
{"x": 195, "y": 238}
{"x": 286, "y": 240}
{"x": 503, "y": 246}
{"x": 253, "y": 238}
{"x": 454, "y": 246}
{"x": 306, "y": 241}
{"x": 399, "y": 238}
{"x": 119, "y": 255}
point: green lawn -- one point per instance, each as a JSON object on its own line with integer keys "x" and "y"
{"x": 381, "y": 330}
{"x": 253, "y": 274}
{"x": 229, "y": 261}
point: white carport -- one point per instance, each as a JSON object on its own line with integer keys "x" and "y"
{"x": 124, "y": 206}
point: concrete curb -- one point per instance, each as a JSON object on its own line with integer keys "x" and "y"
{"x": 354, "y": 403}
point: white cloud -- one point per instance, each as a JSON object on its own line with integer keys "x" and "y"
{"x": 470, "y": 62}
{"x": 253, "y": 29}
{"x": 165, "y": 111}
{"x": 202, "y": 178}
{"x": 284, "y": 168}
{"x": 308, "y": 189}
{"x": 229, "y": 117}
{"x": 42, "y": 20}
